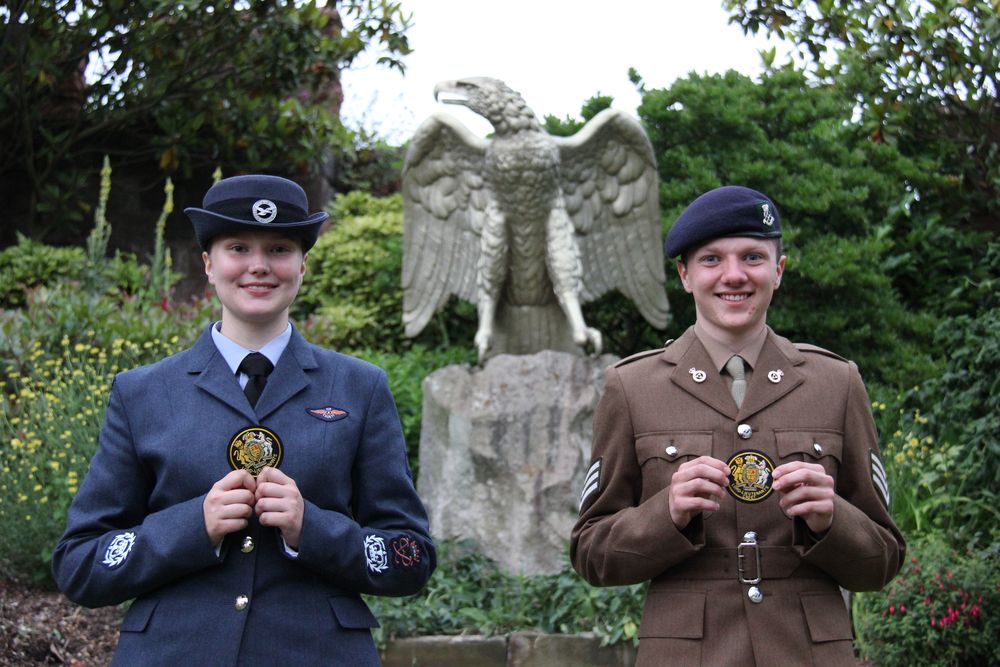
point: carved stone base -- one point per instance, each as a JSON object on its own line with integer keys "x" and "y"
{"x": 503, "y": 453}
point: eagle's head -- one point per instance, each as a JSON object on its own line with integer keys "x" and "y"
{"x": 492, "y": 99}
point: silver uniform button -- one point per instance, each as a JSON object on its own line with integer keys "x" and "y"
{"x": 818, "y": 447}
{"x": 755, "y": 595}
{"x": 242, "y": 602}
{"x": 248, "y": 545}
{"x": 744, "y": 431}
{"x": 671, "y": 451}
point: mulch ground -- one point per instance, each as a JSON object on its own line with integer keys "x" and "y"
{"x": 44, "y": 628}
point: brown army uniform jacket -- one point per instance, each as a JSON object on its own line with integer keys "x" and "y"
{"x": 655, "y": 415}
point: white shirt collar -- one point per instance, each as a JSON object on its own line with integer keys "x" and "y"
{"x": 233, "y": 352}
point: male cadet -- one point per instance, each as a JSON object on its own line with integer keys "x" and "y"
{"x": 737, "y": 471}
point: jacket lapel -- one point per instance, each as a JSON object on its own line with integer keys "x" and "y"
{"x": 289, "y": 377}
{"x": 215, "y": 377}
{"x": 687, "y": 355}
{"x": 780, "y": 356}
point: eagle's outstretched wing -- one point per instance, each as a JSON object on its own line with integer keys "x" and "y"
{"x": 609, "y": 184}
{"x": 444, "y": 201}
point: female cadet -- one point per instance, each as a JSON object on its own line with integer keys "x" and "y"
{"x": 246, "y": 521}
{"x": 737, "y": 471}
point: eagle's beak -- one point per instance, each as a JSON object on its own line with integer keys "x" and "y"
{"x": 450, "y": 92}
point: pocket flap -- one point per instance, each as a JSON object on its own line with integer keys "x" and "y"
{"x": 813, "y": 445}
{"x": 138, "y": 615}
{"x": 672, "y": 445}
{"x": 826, "y": 616}
{"x": 352, "y": 613}
{"x": 678, "y": 614}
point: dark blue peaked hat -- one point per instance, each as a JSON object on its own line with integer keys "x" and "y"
{"x": 255, "y": 202}
{"x": 731, "y": 210}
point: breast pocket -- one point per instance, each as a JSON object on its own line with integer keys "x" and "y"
{"x": 661, "y": 454}
{"x": 821, "y": 446}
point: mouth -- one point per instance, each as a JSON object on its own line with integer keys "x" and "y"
{"x": 259, "y": 288}
{"x": 734, "y": 297}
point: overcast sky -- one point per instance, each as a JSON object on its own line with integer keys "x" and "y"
{"x": 556, "y": 53}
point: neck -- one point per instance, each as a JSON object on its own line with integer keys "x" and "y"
{"x": 733, "y": 340}
{"x": 252, "y": 335}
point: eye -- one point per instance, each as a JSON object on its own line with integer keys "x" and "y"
{"x": 708, "y": 259}
{"x": 236, "y": 247}
{"x": 755, "y": 257}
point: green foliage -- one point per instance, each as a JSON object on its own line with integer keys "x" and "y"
{"x": 570, "y": 126}
{"x": 30, "y": 263}
{"x": 924, "y": 75}
{"x": 469, "y": 594}
{"x": 943, "y": 609}
{"x": 180, "y": 83}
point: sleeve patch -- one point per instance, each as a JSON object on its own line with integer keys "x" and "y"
{"x": 592, "y": 482}
{"x": 118, "y": 550}
{"x": 879, "y": 478}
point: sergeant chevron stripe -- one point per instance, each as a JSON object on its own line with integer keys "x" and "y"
{"x": 879, "y": 478}
{"x": 592, "y": 482}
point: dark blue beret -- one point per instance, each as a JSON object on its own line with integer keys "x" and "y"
{"x": 731, "y": 210}
{"x": 255, "y": 202}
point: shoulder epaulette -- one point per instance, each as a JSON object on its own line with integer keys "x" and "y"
{"x": 642, "y": 355}
{"x": 806, "y": 347}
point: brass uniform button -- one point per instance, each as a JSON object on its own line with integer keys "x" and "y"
{"x": 242, "y": 602}
{"x": 755, "y": 595}
{"x": 671, "y": 451}
{"x": 744, "y": 431}
{"x": 818, "y": 447}
{"x": 248, "y": 545}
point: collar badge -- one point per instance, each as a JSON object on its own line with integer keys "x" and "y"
{"x": 697, "y": 375}
{"x": 775, "y": 376}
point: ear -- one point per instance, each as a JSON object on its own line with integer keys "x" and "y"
{"x": 208, "y": 267}
{"x": 683, "y": 273}
{"x": 779, "y": 272}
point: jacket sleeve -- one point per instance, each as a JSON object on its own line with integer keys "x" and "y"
{"x": 617, "y": 540}
{"x": 863, "y": 549}
{"x": 385, "y": 548}
{"x": 112, "y": 550}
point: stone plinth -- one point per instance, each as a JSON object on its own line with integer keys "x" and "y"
{"x": 503, "y": 453}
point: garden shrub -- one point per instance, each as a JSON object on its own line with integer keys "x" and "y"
{"x": 470, "y": 594}
{"x": 942, "y": 610}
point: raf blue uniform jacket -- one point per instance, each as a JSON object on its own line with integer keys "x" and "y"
{"x": 136, "y": 528}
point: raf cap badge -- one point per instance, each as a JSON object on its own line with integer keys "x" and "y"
{"x": 255, "y": 448}
{"x": 264, "y": 211}
{"x": 750, "y": 476}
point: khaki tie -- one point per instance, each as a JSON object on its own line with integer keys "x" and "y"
{"x": 257, "y": 367}
{"x": 735, "y": 369}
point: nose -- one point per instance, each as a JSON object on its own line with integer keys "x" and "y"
{"x": 732, "y": 271}
{"x": 258, "y": 264}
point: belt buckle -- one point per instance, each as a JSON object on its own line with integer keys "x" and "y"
{"x": 749, "y": 540}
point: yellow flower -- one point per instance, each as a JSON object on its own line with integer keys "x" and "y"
{"x": 79, "y": 347}
{"x": 38, "y": 487}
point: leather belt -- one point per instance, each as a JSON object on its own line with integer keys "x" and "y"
{"x": 723, "y": 563}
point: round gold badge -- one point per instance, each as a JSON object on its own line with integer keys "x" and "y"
{"x": 750, "y": 476}
{"x": 253, "y": 449}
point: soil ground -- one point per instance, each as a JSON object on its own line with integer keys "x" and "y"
{"x": 44, "y": 628}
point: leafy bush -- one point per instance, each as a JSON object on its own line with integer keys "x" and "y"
{"x": 51, "y": 417}
{"x": 943, "y": 609}
{"x": 469, "y": 594}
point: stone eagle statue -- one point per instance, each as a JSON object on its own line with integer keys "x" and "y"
{"x": 528, "y": 226}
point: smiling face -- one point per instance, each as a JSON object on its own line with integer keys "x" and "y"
{"x": 732, "y": 280}
{"x": 256, "y": 276}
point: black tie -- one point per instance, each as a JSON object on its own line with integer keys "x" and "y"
{"x": 257, "y": 367}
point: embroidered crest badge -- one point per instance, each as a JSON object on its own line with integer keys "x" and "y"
{"x": 327, "y": 414}
{"x": 255, "y": 448}
{"x": 406, "y": 552}
{"x": 118, "y": 550}
{"x": 264, "y": 210}
{"x": 750, "y": 476}
{"x": 375, "y": 554}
